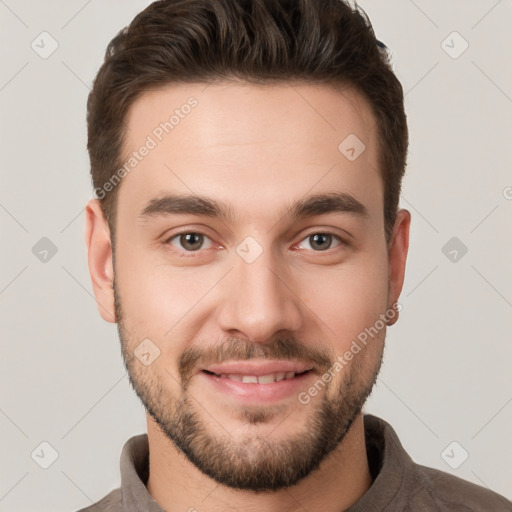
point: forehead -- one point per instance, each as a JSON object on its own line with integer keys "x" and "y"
{"x": 233, "y": 141}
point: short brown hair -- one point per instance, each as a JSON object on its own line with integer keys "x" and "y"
{"x": 258, "y": 41}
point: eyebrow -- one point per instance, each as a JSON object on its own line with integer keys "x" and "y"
{"x": 318, "y": 204}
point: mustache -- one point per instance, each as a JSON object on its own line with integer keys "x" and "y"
{"x": 235, "y": 349}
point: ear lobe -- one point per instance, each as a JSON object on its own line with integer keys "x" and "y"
{"x": 397, "y": 256}
{"x": 99, "y": 253}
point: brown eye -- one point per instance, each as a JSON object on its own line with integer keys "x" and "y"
{"x": 321, "y": 241}
{"x": 189, "y": 241}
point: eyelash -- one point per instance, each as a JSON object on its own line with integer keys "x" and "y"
{"x": 192, "y": 254}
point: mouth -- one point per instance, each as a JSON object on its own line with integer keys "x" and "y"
{"x": 258, "y": 379}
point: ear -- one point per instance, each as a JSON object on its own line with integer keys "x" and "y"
{"x": 397, "y": 256}
{"x": 99, "y": 250}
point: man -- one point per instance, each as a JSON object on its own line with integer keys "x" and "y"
{"x": 247, "y": 158}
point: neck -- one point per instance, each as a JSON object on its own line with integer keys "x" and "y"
{"x": 340, "y": 481}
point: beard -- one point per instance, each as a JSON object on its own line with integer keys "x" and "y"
{"x": 256, "y": 462}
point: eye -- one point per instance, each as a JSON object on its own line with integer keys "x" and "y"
{"x": 190, "y": 241}
{"x": 321, "y": 241}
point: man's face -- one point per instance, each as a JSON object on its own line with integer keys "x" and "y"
{"x": 234, "y": 306}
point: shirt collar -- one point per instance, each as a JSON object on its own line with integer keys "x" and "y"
{"x": 391, "y": 466}
{"x": 134, "y": 476}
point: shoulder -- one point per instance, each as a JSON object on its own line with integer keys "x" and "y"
{"x": 402, "y": 485}
{"x": 110, "y": 503}
{"x": 449, "y": 492}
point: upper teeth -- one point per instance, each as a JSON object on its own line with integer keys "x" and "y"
{"x": 261, "y": 379}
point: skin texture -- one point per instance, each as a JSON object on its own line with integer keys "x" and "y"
{"x": 256, "y": 149}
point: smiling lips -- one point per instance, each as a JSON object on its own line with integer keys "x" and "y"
{"x": 258, "y": 379}
{"x": 258, "y": 372}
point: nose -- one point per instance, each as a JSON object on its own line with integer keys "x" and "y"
{"x": 259, "y": 300}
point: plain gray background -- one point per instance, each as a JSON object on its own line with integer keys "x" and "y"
{"x": 446, "y": 375}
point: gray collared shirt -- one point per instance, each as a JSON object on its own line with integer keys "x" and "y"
{"x": 399, "y": 484}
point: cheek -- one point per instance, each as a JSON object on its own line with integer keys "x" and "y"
{"x": 347, "y": 300}
{"x": 160, "y": 302}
